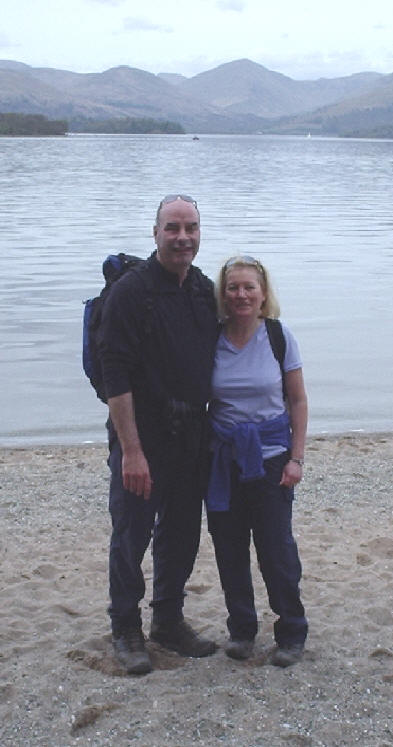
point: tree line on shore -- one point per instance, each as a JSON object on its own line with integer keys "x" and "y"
{"x": 13, "y": 124}
{"x": 126, "y": 126}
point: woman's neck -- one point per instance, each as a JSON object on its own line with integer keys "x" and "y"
{"x": 239, "y": 332}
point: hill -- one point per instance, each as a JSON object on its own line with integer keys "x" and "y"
{"x": 117, "y": 92}
{"x": 245, "y": 87}
{"x": 368, "y": 115}
{"x": 240, "y": 96}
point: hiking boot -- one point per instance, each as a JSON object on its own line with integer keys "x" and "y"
{"x": 239, "y": 649}
{"x": 179, "y": 636}
{"x": 130, "y": 651}
{"x": 285, "y": 656}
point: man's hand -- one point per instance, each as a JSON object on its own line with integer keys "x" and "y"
{"x": 135, "y": 469}
{"x": 136, "y": 473}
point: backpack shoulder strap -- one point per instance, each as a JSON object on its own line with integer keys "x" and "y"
{"x": 278, "y": 345}
{"x": 150, "y": 292}
{"x": 117, "y": 265}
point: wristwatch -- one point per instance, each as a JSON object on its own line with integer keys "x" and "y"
{"x": 300, "y": 462}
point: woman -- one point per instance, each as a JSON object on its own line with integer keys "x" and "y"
{"x": 257, "y": 457}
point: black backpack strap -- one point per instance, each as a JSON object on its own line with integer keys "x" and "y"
{"x": 117, "y": 265}
{"x": 278, "y": 346}
{"x": 150, "y": 291}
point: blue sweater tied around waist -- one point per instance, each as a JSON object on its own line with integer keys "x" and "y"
{"x": 244, "y": 444}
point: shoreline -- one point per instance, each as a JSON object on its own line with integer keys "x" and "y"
{"x": 48, "y": 444}
{"x": 60, "y": 683}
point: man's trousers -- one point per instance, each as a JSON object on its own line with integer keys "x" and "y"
{"x": 171, "y": 518}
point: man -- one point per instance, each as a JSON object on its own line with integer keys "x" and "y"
{"x": 157, "y": 345}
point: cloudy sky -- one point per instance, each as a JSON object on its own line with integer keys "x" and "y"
{"x": 305, "y": 39}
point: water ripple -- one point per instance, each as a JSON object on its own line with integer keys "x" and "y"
{"x": 318, "y": 212}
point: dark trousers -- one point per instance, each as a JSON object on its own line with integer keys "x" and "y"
{"x": 172, "y": 517}
{"x": 263, "y": 508}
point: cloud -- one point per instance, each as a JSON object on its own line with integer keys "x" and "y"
{"x": 108, "y": 2}
{"x": 335, "y": 64}
{"x": 187, "y": 67}
{"x": 237, "y": 5}
{"x": 142, "y": 24}
{"x": 5, "y": 42}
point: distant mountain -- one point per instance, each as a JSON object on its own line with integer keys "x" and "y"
{"x": 121, "y": 91}
{"x": 173, "y": 78}
{"x": 23, "y": 93}
{"x": 245, "y": 87}
{"x": 379, "y": 96}
{"x": 370, "y": 115}
{"x": 12, "y": 65}
{"x": 240, "y": 96}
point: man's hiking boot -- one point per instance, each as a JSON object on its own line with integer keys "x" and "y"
{"x": 179, "y": 636}
{"x": 285, "y": 656}
{"x": 239, "y": 649}
{"x": 130, "y": 650}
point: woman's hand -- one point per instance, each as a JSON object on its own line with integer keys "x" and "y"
{"x": 297, "y": 404}
{"x": 291, "y": 474}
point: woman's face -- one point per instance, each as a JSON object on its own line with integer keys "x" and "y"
{"x": 243, "y": 295}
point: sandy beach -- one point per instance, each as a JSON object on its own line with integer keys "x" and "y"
{"x": 60, "y": 685}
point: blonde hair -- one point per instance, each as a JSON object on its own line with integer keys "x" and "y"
{"x": 270, "y": 307}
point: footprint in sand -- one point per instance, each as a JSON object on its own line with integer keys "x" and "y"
{"x": 104, "y": 661}
{"x": 46, "y": 570}
{"x": 381, "y": 547}
{"x": 198, "y": 588}
{"x": 89, "y": 715}
{"x": 363, "y": 559}
{"x": 380, "y": 615}
{"x": 381, "y": 653}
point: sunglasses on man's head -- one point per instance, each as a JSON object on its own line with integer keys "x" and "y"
{"x": 172, "y": 198}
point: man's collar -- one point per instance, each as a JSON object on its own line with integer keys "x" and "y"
{"x": 172, "y": 277}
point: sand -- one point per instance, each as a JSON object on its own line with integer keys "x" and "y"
{"x": 60, "y": 685}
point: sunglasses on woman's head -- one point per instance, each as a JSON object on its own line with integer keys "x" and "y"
{"x": 246, "y": 259}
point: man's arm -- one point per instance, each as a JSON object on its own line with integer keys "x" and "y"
{"x": 135, "y": 468}
{"x": 119, "y": 348}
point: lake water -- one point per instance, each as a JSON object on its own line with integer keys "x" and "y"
{"x": 318, "y": 212}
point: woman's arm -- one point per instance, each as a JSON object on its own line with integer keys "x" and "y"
{"x": 297, "y": 405}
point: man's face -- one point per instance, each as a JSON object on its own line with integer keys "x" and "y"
{"x": 177, "y": 236}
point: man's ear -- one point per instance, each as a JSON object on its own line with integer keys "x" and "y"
{"x": 155, "y": 232}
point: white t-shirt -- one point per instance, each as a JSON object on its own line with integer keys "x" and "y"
{"x": 246, "y": 384}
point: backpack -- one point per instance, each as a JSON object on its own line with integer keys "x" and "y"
{"x": 113, "y": 268}
{"x": 278, "y": 346}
